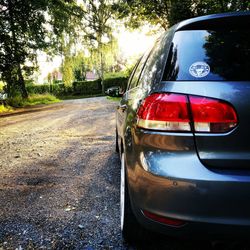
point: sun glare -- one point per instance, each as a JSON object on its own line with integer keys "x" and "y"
{"x": 133, "y": 44}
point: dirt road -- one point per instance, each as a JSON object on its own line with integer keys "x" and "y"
{"x": 59, "y": 179}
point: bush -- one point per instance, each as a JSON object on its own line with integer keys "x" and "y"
{"x": 87, "y": 87}
{"x": 4, "y": 108}
{"x": 57, "y": 82}
{"x": 29, "y": 82}
{"x": 55, "y": 89}
{"x": 16, "y": 102}
{"x": 116, "y": 79}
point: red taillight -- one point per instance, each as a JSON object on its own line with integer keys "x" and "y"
{"x": 164, "y": 220}
{"x": 164, "y": 112}
{"x": 211, "y": 115}
{"x": 170, "y": 112}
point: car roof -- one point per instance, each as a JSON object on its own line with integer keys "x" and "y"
{"x": 230, "y": 19}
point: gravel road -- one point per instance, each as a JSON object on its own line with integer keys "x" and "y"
{"x": 59, "y": 180}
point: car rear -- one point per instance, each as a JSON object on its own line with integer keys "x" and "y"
{"x": 189, "y": 159}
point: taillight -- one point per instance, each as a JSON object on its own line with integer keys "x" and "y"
{"x": 211, "y": 115}
{"x": 164, "y": 112}
{"x": 170, "y": 112}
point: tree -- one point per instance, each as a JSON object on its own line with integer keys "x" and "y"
{"x": 81, "y": 66}
{"x": 169, "y": 12}
{"x": 157, "y": 12}
{"x": 68, "y": 71}
{"x": 98, "y": 31}
{"x": 27, "y": 26}
{"x": 217, "y": 6}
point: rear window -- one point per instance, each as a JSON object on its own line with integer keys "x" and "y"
{"x": 209, "y": 55}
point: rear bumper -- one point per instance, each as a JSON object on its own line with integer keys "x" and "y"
{"x": 196, "y": 230}
{"x": 177, "y": 185}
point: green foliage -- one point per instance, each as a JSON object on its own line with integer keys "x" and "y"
{"x": 29, "y": 82}
{"x": 33, "y": 99}
{"x": 16, "y": 101}
{"x": 81, "y": 87}
{"x": 169, "y": 12}
{"x": 87, "y": 87}
{"x": 57, "y": 82}
{"x": 116, "y": 74}
{"x": 5, "y": 108}
{"x": 180, "y": 10}
{"x": 78, "y": 88}
{"x": 1, "y": 86}
{"x": 55, "y": 89}
{"x": 98, "y": 34}
{"x": 68, "y": 71}
{"x": 25, "y": 28}
{"x": 80, "y": 67}
{"x": 40, "y": 99}
{"x": 216, "y": 6}
{"x": 118, "y": 79}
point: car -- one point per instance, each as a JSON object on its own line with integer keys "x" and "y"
{"x": 182, "y": 133}
{"x": 114, "y": 91}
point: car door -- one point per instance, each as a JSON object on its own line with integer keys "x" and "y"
{"x": 124, "y": 108}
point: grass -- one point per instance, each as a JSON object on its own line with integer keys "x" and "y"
{"x": 41, "y": 99}
{"x": 116, "y": 99}
{"x": 34, "y": 99}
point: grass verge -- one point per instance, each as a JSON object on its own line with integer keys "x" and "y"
{"x": 34, "y": 99}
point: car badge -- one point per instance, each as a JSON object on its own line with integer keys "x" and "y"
{"x": 199, "y": 69}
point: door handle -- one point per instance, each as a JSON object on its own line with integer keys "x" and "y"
{"x": 123, "y": 107}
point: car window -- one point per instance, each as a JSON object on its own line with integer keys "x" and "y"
{"x": 132, "y": 74}
{"x": 209, "y": 55}
{"x": 137, "y": 72}
{"x": 153, "y": 69}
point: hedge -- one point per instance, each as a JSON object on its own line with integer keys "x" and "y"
{"x": 87, "y": 87}
{"x": 78, "y": 88}
{"x": 55, "y": 89}
{"x": 116, "y": 81}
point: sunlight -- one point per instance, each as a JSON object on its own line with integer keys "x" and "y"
{"x": 133, "y": 44}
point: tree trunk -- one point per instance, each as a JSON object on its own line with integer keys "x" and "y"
{"x": 21, "y": 83}
{"x": 102, "y": 73}
{"x": 100, "y": 51}
{"x": 8, "y": 80}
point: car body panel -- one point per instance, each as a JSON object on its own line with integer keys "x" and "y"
{"x": 228, "y": 150}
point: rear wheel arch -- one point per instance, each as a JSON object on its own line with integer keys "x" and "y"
{"x": 131, "y": 229}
